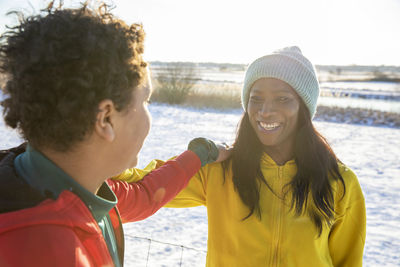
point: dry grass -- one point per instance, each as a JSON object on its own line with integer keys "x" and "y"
{"x": 174, "y": 83}
{"x": 219, "y": 96}
{"x": 358, "y": 116}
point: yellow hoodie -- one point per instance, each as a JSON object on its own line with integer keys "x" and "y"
{"x": 280, "y": 238}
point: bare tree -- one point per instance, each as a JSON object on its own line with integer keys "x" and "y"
{"x": 175, "y": 82}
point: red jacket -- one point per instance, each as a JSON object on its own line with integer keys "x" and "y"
{"x": 63, "y": 232}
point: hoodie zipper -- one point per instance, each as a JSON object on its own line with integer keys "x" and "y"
{"x": 279, "y": 217}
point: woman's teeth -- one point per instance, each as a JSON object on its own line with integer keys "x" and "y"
{"x": 269, "y": 126}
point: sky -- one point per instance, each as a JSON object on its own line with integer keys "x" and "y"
{"x": 329, "y": 32}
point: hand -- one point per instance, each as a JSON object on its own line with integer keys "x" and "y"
{"x": 208, "y": 151}
{"x": 224, "y": 152}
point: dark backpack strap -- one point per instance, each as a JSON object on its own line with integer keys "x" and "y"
{"x": 15, "y": 151}
{"x": 15, "y": 193}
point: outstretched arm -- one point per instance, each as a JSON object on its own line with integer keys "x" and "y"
{"x": 134, "y": 174}
{"x": 142, "y": 192}
{"x": 139, "y": 200}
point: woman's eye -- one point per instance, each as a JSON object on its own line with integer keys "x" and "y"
{"x": 256, "y": 99}
{"x": 283, "y": 99}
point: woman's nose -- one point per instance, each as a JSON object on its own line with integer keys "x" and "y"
{"x": 267, "y": 108}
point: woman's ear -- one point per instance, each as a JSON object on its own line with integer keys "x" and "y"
{"x": 104, "y": 126}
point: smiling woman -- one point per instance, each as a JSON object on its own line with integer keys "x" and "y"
{"x": 282, "y": 198}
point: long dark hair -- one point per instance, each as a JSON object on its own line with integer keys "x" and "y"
{"x": 316, "y": 163}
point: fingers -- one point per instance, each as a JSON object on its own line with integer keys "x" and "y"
{"x": 224, "y": 152}
{"x": 225, "y": 145}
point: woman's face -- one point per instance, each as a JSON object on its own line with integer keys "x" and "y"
{"x": 273, "y": 110}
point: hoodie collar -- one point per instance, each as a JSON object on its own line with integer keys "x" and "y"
{"x": 267, "y": 160}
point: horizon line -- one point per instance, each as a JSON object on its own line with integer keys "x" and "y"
{"x": 245, "y": 64}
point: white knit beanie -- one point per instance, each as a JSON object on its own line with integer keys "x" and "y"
{"x": 289, "y": 65}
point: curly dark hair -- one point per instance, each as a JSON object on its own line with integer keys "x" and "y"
{"x": 60, "y": 64}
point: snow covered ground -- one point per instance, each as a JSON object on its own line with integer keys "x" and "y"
{"x": 174, "y": 236}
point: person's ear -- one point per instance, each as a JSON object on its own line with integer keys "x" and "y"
{"x": 104, "y": 126}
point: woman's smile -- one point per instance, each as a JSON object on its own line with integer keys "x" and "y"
{"x": 269, "y": 126}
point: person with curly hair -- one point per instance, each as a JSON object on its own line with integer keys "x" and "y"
{"x": 77, "y": 91}
{"x": 282, "y": 198}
